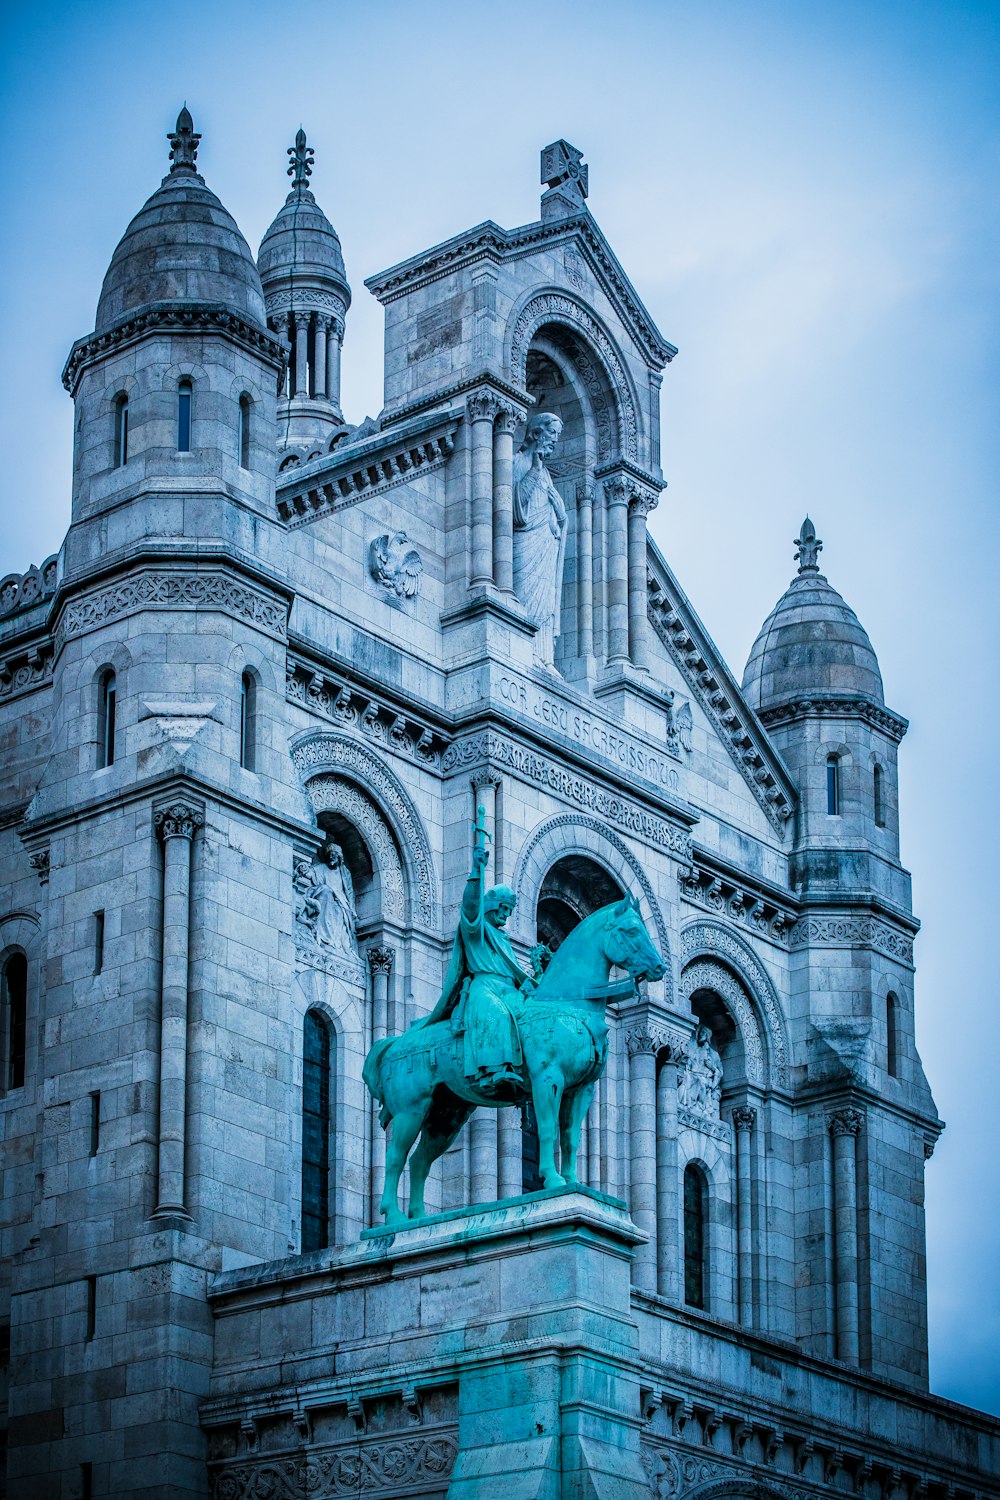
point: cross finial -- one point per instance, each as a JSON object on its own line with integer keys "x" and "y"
{"x": 565, "y": 174}
{"x": 183, "y": 143}
{"x": 300, "y": 169}
{"x": 808, "y": 548}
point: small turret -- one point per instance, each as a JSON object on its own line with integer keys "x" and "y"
{"x": 305, "y": 287}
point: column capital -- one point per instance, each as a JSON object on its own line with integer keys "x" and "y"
{"x": 380, "y": 960}
{"x": 301, "y": 318}
{"x": 509, "y": 417}
{"x": 178, "y": 820}
{"x": 642, "y": 501}
{"x": 648, "y": 1037}
{"x": 485, "y": 777}
{"x": 744, "y": 1118}
{"x": 483, "y": 405}
{"x": 846, "y": 1122}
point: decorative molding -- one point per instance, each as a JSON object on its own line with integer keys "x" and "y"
{"x": 894, "y": 725}
{"x": 337, "y": 700}
{"x": 853, "y": 932}
{"x": 760, "y": 914}
{"x": 390, "y": 1463}
{"x": 344, "y": 758}
{"x": 306, "y": 299}
{"x": 720, "y": 700}
{"x": 27, "y": 669}
{"x": 21, "y": 590}
{"x": 174, "y": 317}
{"x": 709, "y": 938}
{"x": 693, "y": 1119}
{"x": 555, "y": 778}
{"x": 180, "y": 589}
{"x": 356, "y": 471}
{"x": 178, "y": 820}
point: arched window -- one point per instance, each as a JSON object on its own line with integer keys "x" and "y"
{"x": 833, "y": 785}
{"x": 695, "y": 1236}
{"x": 316, "y": 1120}
{"x": 878, "y": 797}
{"x": 248, "y": 722}
{"x": 892, "y": 1035}
{"x": 184, "y": 395}
{"x": 245, "y": 405}
{"x": 121, "y": 431}
{"x": 106, "y": 704}
{"x": 14, "y": 1000}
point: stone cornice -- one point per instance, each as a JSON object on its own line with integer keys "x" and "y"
{"x": 488, "y": 241}
{"x": 335, "y": 696}
{"x": 716, "y": 886}
{"x": 829, "y": 705}
{"x": 507, "y": 390}
{"x": 174, "y": 317}
{"x": 685, "y": 638}
{"x": 357, "y": 471}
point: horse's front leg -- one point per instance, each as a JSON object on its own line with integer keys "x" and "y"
{"x": 574, "y": 1108}
{"x": 546, "y": 1096}
{"x": 405, "y": 1129}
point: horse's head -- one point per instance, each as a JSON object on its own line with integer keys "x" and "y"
{"x": 628, "y": 944}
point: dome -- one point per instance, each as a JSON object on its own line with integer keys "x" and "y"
{"x": 302, "y": 243}
{"x": 182, "y": 246}
{"x": 812, "y": 644}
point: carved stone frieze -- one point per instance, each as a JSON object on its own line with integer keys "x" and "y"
{"x": 21, "y": 590}
{"x": 693, "y": 1119}
{"x": 740, "y": 903}
{"x": 344, "y": 758}
{"x": 334, "y": 699}
{"x": 853, "y": 931}
{"x": 556, "y": 778}
{"x": 349, "y": 476}
{"x": 25, "y": 670}
{"x": 701, "y": 938}
{"x": 894, "y": 725}
{"x": 154, "y": 589}
{"x": 389, "y": 1464}
{"x": 192, "y": 317}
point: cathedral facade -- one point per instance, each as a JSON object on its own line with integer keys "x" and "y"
{"x": 252, "y": 710}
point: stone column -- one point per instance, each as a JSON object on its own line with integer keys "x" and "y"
{"x": 638, "y": 649}
{"x": 300, "y": 384}
{"x": 845, "y": 1125}
{"x": 176, "y": 825}
{"x": 745, "y": 1122}
{"x": 482, "y": 407}
{"x": 616, "y": 569}
{"x": 322, "y": 325}
{"x": 380, "y": 962}
{"x": 642, "y": 1047}
{"x": 484, "y": 1141}
{"x": 585, "y": 572}
{"x": 668, "y": 1258}
{"x": 509, "y": 1171}
{"x": 334, "y": 345}
{"x": 594, "y": 1137}
{"x": 508, "y": 418}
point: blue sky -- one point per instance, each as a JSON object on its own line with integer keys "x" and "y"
{"x": 804, "y": 196}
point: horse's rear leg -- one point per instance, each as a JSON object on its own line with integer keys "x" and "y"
{"x": 405, "y": 1128}
{"x": 571, "y": 1117}
{"x": 444, "y": 1120}
{"x": 546, "y": 1096}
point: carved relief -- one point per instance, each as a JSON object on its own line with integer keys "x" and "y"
{"x": 365, "y": 469}
{"x": 713, "y": 892}
{"x": 395, "y": 565}
{"x": 151, "y": 590}
{"x": 388, "y": 1465}
{"x": 701, "y": 937}
{"x": 699, "y": 1083}
{"x": 26, "y": 670}
{"x": 847, "y": 932}
{"x": 22, "y": 590}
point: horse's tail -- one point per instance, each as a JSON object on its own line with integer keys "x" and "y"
{"x": 372, "y": 1075}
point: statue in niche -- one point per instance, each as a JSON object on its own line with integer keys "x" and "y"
{"x": 700, "y": 1084}
{"x": 539, "y": 531}
{"x": 325, "y": 899}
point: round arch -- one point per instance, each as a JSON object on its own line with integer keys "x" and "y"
{"x": 327, "y": 763}
{"x": 554, "y": 306}
{"x": 330, "y": 793}
{"x": 575, "y": 833}
{"x": 712, "y": 948}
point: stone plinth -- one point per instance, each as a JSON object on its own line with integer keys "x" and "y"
{"x": 502, "y": 1338}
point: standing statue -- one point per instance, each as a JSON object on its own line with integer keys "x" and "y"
{"x": 331, "y": 899}
{"x": 539, "y": 531}
{"x": 496, "y": 1037}
{"x": 700, "y": 1084}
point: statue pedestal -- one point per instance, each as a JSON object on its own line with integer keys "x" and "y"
{"x": 537, "y": 1289}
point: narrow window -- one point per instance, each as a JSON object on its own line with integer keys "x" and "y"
{"x": 315, "y": 1133}
{"x": 184, "y": 416}
{"x": 833, "y": 785}
{"x": 248, "y": 722}
{"x": 95, "y": 1122}
{"x": 91, "y": 1308}
{"x": 695, "y": 1235}
{"x": 98, "y": 941}
{"x": 15, "y": 1013}
{"x": 892, "y": 1035}
{"x": 121, "y": 431}
{"x": 106, "y": 720}
{"x": 245, "y": 404}
{"x": 878, "y": 797}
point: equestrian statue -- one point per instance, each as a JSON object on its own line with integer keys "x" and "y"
{"x": 499, "y": 1036}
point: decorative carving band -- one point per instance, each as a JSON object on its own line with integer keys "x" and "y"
{"x": 744, "y": 1118}
{"x": 392, "y": 1464}
{"x": 645, "y": 1040}
{"x": 709, "y": 937}
{"x": 178, "y": 820}
{"x": 846, "y": 1122}
{"x": 338, "y": 700}
{"x": 22, "y": 590}
{"x": 739, "y": 903}
{"x": 191, "y": 317}
{"x": 178, "y": 590}
{"x": 26, "y": 668}
{"x": 380, "y": 960}
{"x": 850, "y": 932}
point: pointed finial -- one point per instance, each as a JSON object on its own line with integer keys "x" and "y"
{"x": 301, "y": 166}
{"x": 808, "y": 548}
{"x": 183, "y": 143}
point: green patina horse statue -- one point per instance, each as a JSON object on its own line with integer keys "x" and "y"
{"x": 419, "y": 1079}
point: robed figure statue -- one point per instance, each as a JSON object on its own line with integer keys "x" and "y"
{"x": 539, "y": 531}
